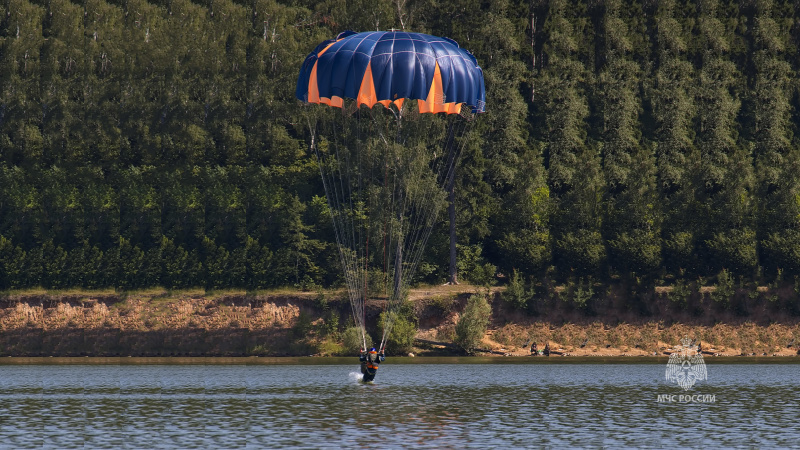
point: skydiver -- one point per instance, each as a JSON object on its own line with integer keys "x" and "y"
{"x": 369, "y": 363}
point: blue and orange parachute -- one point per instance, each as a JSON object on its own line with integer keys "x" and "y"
{"x": 389, "y": 67}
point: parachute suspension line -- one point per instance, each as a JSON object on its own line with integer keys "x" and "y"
{"x": 385, "y": 273}
{"x": 384, "y": 173}
{"x": 344, "y": 170}
{"x": 346, "y": 221}
{"x": 453, "y": 151}
{"x": 393, "y": 214}
{"x": 334, "y": 206}
{"x": 421, "y": 203}
{"x": 413, "y": 173}
{"x": 403, "y": 188}
{"x": 427, "y": 204}
{"x": 355, "y": 214}
{"x": 367, "y": 151}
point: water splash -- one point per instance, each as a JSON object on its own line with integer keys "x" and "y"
{"x": 355, "y": 377}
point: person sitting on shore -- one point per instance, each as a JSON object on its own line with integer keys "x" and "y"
{"x": 369, "y": 363}
{"x": 547, "y": 349}
{"x": 534, "y": 349}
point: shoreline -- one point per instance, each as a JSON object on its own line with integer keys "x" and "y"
{"x": 344, "y": 360}
{"x": 198, "y": 324}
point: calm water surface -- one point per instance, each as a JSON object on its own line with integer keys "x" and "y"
{"x": 430, "y": 405}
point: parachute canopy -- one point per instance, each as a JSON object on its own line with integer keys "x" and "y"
{"x": 389, "y": 67}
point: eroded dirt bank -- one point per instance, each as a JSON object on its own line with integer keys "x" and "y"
{"x": 240, "y": 324}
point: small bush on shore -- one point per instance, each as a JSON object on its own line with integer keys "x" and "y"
{"x": 327, "y": 348}
{"x": 403, "y": 331}
{"x": 351, "y": 340}
{"x": 472, "y": 324}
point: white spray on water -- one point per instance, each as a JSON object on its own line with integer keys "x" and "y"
{"x": 355, "y": 377}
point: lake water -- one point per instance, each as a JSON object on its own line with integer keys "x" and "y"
{"x": 428, "y": 403}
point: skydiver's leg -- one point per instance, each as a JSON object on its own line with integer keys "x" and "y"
{"x": 369, "y": 375}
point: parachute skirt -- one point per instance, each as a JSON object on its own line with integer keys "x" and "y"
{"x": 389, "y": 66}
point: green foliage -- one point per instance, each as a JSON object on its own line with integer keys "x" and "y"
{"x": 351, "y": 340}
{"x": 443, "y": 303}
{"x": 473, "y": 323}
{"x": 473, "y": 267}
{"x": 329, "y": 347}
{"x": 637, "y": 251}
{"x": 582, "y": 292}
{"x": 582, "y": 251}
{"x": 160, "y": 144}
{"x": 516, "y": 293}
{"x": 404, "y": 329}
{"x": 724, "y": 288}
{"x": 302, "y": 325}
{"x": 332, "y": 324}
{"x": 735, "y": 249}
{"x": 523, "y": 231}
{"x": 679, "y": 251}
{"x": 782, "y": 250}
{"x": 680, "y": 292}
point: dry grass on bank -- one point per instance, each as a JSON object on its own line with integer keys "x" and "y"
{"x": 653, "y": 338}
{"x": 438, "y": 308}
{"x": 152, "y": 309}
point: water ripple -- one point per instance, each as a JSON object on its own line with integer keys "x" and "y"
{"x": 425, "y": 406}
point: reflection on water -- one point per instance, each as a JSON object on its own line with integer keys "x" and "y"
{"x": 420, "y": 405}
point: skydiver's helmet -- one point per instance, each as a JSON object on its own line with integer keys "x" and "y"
{"x": 372, "y": 350}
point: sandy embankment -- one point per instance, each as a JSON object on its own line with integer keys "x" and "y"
{"x": 160, "y": 323}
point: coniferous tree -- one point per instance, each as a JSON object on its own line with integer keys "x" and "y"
{"x": 777, "y": 160}
{"x": 631, "y": 225}
{"x": 726, "y": 169}
{"x": 574, "y": 175}
{"x": 670, "y": 93}
{"x": 159, "y": 143}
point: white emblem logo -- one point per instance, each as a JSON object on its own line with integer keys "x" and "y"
{"x": 686, "y": 366}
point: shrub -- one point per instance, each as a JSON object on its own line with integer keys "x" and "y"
{"x": 472, "y": 324}
{"x": 351, "y": 340}
{"x": 403, "y": 329}
{"x": 332, "y": 324}
{"x": 302, "y": 325}
{"x": 516, "y": 295}
{"x": 680, "y": 292}
{"x": 473, "y": 267}
{"x": 332, "y": 348}
{"x": 724, "y": 288}
{"x": 582, "y": 293}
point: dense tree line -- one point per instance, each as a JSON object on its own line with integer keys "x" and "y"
{"x": 159, "y": 143}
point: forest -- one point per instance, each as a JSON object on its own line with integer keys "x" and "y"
{"x": 160, "y": 143}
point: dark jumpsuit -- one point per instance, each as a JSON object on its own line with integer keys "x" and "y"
{"x": 369, "y": 364}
